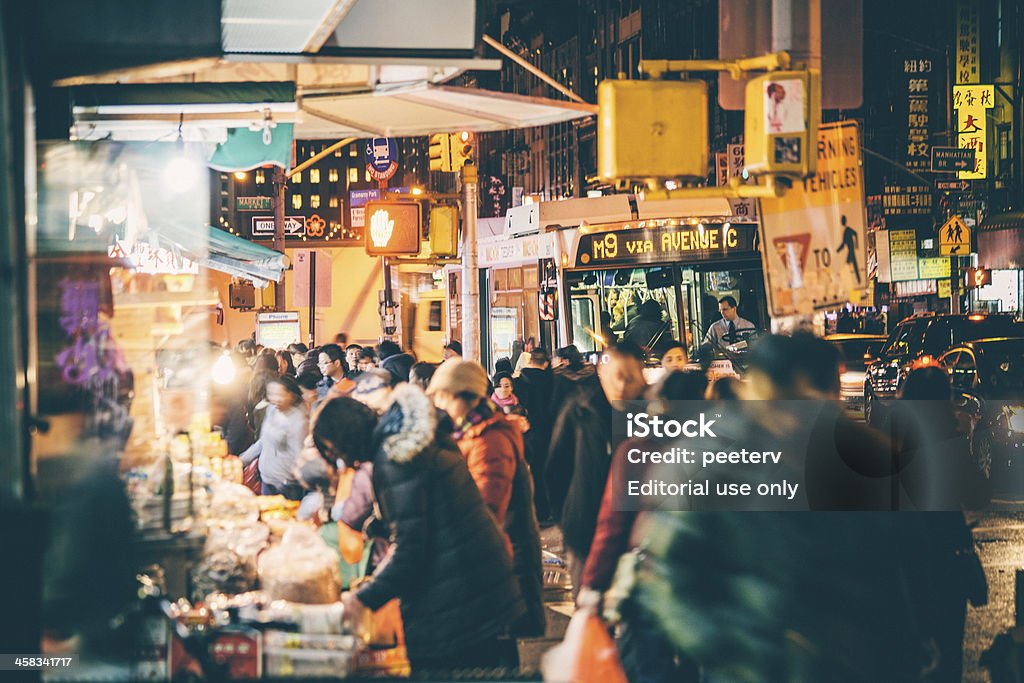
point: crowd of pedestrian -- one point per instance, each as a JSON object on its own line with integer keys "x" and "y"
{"x": 456, "y": 471}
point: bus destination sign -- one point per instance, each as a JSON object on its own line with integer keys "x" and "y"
{"x": 667, "y": 244}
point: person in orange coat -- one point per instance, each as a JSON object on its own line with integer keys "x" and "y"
{"x": 492, "y": 443}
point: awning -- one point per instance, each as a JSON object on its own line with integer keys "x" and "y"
{"x": 425, "y": 108}
{"x": 1001, "y": 241}
{"x": 216, "y": 249}
{"x": 387, "y": 111}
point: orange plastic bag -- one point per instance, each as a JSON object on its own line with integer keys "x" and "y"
{"x": 350, "y": 541}
{"x": 386, "y": 626}
{"x": 586, "y": 654}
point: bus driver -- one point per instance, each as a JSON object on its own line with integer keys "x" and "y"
{"x": 731, "y": 328}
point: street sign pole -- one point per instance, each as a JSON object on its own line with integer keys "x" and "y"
{"x": 312, "y": 298}
{"x": 954, "y": 290}
{"x": 280, "y": 182}
{"x": 470, "y": 269}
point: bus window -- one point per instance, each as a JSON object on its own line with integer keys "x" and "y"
{"x": 638, "y": 304}
{"x": 745, "y": 285}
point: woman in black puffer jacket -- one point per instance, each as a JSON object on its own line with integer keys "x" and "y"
{"x": 448, "y": 564}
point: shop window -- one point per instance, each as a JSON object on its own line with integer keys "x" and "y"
{"x": 434, "y": 316}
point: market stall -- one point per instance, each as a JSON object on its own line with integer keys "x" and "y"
{"x": 132, "y": 391}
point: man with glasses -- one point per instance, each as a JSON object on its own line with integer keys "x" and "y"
{"x": 332, "y": 367}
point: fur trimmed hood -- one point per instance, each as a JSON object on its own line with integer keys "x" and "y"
{"x": 409, "y": 425}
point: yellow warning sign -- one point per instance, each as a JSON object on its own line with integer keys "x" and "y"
{"x": 814, "y": 247}
{"x": 954, "y": 238}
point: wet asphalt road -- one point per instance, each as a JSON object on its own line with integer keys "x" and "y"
{"x": 999, "y": 539}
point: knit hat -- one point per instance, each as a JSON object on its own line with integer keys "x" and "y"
{"x": 457, "y": 376}
{"x": 373, "y": 388}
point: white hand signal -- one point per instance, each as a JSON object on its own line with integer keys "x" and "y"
{"x": 381, "y": 227}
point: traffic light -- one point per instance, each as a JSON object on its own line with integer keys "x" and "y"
{"x": 440, "y": 152}
{"x": 463, "y": 146}
{"x": 392, "y": 228}
{"x": 652, "y": 129}
{"x": 781, "y": 123}
{"x": 444, "y": 231}
{"x": 978, "y": 277}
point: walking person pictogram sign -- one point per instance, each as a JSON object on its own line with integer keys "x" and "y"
{"x": 954, "y": 238}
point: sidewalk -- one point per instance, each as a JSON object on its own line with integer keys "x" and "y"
{"x": 557, "y": 602}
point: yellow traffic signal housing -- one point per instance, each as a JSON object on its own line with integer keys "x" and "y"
{"x": 392, "y": 228}
{"x": 781, "y": 123}
{"x": 652, "y": 129}
{"x": 463, "y": 146}
{"x": 444, "y": 231}
{"x": 440, "y": 152}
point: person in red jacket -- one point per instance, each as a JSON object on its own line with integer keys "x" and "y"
{"x": 493, "y": 445}
{"x": 645, "y": 652}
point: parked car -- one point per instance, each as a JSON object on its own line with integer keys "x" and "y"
{"x": 858, "y": 350}
{"x": 922, "y": 339}
{"x": 988, "y": 394}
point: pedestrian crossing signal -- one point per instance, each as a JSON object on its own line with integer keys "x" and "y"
{"x": 978, "y": 277}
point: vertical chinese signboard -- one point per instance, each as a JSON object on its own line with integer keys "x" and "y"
{"x": 971, "y": 103}
{"x": 970, "y": 99}
{"x": 968, "y": 52}
{"x": 917, "y": 74}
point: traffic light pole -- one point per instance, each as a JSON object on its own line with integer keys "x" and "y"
{"x": 470, "y": 269}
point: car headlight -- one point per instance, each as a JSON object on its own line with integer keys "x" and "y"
{"x": 1014, "y": 418}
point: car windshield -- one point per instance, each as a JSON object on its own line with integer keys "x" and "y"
{"x": 854, "y": 350}
{"x": 1002, "y": 364}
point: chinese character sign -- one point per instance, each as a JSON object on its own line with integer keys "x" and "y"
{"x": 967, "y": 48}
{"x": 918, "y": 73}
{"x": 971, "y": 103}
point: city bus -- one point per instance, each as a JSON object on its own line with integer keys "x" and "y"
{"x": 583, "y": 271}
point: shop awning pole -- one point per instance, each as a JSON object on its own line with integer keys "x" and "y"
{"x": 532, "y": 69}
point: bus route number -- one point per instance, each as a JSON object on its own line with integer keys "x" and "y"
{"x": 606, "y": 248}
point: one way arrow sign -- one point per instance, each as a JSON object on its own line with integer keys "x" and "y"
{"x": 952, "y": 159}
